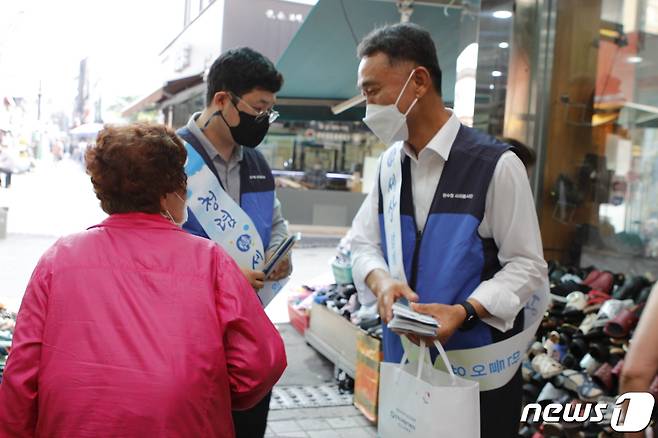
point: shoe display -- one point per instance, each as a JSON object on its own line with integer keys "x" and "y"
{"x": 581, "y": 344}
{"x": 578, "y": 352}
{"x": 631, "y": 288}
{"x": 7, "y": 325}
{"x": 546, "y": 366}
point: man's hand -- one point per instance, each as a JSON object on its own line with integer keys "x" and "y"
{"x": 255, "y": 278}
{"x": 388, "y": 291}
{"x": 450, "y": 318}
{"x": 282, "y": 269}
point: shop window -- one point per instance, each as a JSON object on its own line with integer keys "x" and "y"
{"x": 601, "y": 170}
{"x": 492, "y": 51}
{"x": 320, "y": 155}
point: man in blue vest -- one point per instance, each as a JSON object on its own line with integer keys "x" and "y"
{"x": 241, "y": 89}
{"x": 469, "y": 242}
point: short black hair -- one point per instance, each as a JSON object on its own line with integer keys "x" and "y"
{"x": 404, "y": 42}
{"x": 240, "y": 71}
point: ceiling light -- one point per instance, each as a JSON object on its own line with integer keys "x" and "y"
{"x": 502, "y": 14}
{"x": 496, "y": 74}
{"x": 634, "y": 59}
{"x": 491, "y": 86}
{"x": 503, "y": 45}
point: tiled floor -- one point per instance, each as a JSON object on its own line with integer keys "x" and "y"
{"x": 307, "y": 367}
{"x": 337, "y": 422}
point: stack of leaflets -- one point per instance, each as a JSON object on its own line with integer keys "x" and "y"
{"x": 408, "y": 321}
{"x": 281, "y": 251}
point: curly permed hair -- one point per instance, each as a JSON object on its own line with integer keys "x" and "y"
{"x": 133, "y": 166}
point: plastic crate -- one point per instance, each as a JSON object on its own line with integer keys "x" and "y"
{"x": 299, "y": 318}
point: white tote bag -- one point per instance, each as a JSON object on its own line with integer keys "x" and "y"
{"x": 417, "y": 400}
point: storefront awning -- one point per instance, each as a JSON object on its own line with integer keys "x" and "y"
{"x": 321, "y": 64}
{"x": 86, "y": 129}
{"x": 167, "y": 91}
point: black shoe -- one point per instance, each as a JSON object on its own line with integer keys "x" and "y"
{"x": 600, "y": 351}
{"x": 631, "y": 288}
{"x": 369, "y": 323}
{"x": 569, "y": 361}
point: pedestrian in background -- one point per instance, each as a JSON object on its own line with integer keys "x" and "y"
{"x": 6, "y": 164}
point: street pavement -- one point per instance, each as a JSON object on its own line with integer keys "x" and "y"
{"x": 53, "y": 200}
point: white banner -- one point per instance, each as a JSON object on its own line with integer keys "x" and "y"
{"x": 224, "y": 221}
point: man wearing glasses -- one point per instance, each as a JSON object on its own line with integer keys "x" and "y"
{"x": 230, "y": 183}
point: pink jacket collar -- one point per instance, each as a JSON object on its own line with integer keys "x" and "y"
{"x": 137, "y": 220}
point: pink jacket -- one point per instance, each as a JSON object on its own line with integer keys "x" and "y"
{"x": 135, "y": 328}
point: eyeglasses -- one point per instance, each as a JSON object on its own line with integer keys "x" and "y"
{"x": 270, "y": 114}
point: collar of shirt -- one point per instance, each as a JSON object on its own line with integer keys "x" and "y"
{"x": 208, "y": 146}
{"x": 442, "y": 141}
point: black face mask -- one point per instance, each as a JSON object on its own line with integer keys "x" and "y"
{"x": 249, "y": 132}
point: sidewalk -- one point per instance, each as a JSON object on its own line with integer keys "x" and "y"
{"x": 19, "y": 254}
{"x": 54, "y": 199}
{"x": 339, "y": 422}
{"x": 308, "y": 368}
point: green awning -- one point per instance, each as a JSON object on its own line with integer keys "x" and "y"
{"x": 321, "y": 62}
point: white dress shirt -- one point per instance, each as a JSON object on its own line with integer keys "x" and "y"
{"x": 509, "y": 218}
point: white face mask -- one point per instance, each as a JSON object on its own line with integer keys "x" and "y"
{"x": 387, "y": 122}
{"x": 183, "y": 219}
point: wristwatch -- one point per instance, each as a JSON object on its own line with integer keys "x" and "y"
{"x": 472, "y": 317}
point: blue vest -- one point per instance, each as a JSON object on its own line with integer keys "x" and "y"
{"x": 449, "y": 259}
{"x": 256, "y": 189}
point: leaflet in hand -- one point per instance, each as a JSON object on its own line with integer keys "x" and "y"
{"x": 406, "y": 320}
{"x": 280, "y": 252}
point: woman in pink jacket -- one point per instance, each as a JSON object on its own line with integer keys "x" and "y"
{"x": 135, "y": 328}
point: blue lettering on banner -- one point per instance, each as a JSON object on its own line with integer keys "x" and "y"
{"x": 497, "y": 366}
{"x": 244, "y": 242}
{"x": 392, "y": 251}
{"x": 257, "y": 258}
{"x": 514, "y": 358}
{"x": 460, "y": 371}
{"x": 208, "y": 200}
{"x": 391, "y": 157}
{"x": 391, "y": 183}
{"x": 531, "y": 304}
{"x": 391, "y": 207}
{"x": 479, "y": 371}
{"x": 226, "y": 221}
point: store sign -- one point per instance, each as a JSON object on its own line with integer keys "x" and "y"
{"x": 282, "y": 16}
{"x": 636, "y": 419}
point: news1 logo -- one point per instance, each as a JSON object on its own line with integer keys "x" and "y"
{"x": 636, "y": 418}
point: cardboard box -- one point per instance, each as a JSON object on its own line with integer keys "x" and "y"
{"x": 366, "y": 383}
